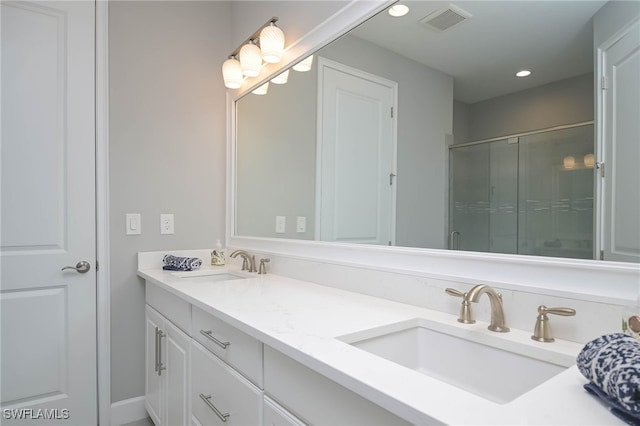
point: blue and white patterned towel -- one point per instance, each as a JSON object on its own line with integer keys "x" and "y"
{"x": 175, "y": 263}
{"x": 612, "y": 364}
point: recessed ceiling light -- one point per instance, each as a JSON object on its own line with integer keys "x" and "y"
{"x": 523, "y": 73}
{"x": 398, "y": 10}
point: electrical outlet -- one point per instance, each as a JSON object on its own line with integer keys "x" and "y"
{"x": 166, "y": 224}
{"x": 280, "y": 224}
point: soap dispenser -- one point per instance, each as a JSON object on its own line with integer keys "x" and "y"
{"x": 217, "y": 255}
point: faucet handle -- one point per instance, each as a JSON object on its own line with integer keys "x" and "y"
{"x": 453, "y": 292}
{"x": 465, "y": 309}
{"x": 542, "y": 330}
{"x": 263, "y": 269}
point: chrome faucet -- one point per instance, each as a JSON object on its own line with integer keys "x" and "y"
{"x": 248, "y": 261}
{"x": 497, "y": 313}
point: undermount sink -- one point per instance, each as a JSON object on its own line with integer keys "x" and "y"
{"x": 207, "y": 275}
{"x": 498, "y": 375}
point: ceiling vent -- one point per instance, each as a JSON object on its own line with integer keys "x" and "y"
{"x": 443, "y": 19}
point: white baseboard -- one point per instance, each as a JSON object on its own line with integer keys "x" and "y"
{"x": 127, "y": 411}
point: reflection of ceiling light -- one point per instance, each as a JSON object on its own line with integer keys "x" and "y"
{"x": 262, "y": 90}
{"x": 304, "y": 65}
{"x": 523, "y": 73}
{"x": 398, "y": 10}
{"x": 281, "y": 78}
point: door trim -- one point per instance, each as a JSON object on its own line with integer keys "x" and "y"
{"x": 103, "y": 293}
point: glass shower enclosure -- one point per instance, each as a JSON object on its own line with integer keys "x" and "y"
{"x": 528, "y": 194}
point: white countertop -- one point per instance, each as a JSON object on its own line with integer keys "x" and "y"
{"x": 302, "y": 320}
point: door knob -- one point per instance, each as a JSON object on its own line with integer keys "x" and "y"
{"x": 82, "y": 267}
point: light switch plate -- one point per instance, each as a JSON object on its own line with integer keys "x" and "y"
{"x": 166, "y": 224}
{"x": 301, "y": 224}
{"x": 133, "y": 224}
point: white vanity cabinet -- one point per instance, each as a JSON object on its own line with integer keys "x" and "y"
{"x": 273, "y": 414}
{"x": 317, "y": 399}
{"x": 167, "y": 351}
{"x": 219, "y": 394}
{"x": 239, "y": 350}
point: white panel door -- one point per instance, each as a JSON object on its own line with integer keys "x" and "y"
{"x": 621, "y": 124}
{"x": 357, "y": 156}
{"x": 48, "y": 316}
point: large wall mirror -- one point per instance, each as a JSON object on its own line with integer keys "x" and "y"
{"x": 415, "y": 131}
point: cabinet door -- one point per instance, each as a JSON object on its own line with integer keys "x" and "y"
{"x": 175, "y": 357}
{"x": 153, "y": 394}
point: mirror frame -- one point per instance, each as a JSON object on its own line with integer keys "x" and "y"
{"x": 592, "y": 280}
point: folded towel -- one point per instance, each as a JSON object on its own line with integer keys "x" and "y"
{"x": 175, "y": 263}
{"x": 612, "y": 364}
{"x": 614, "y": 406}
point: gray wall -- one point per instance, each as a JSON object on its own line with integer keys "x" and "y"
{"x": 611, "y": 18}
{"x": 167, "y": 139}
{"x": 276, "y": 158}
{"x": 563, "y": 102}
{"x": 167, "y": 151}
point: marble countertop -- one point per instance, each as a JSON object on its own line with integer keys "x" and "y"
{"x": 304, "y": 320}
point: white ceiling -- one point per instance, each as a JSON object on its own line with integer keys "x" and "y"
{"x": 553, "y": 39}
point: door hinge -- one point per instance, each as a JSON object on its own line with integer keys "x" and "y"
{"x": 604, "y": 82}
{"x": 391, "y": 112}
{"x": 97, "y": 266}
{"x": 600, "y": 166}
{"x": 391, "y": 176}
{"x": 601, "y": 254}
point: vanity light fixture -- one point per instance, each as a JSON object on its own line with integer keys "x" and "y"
{"x": 304, "y": 65}
{"x": 281, "y": 78}
{"x": 523, "y": 73}
{"x": 589, "y": 160}
{"x": 262, "y": 90}
{"x": 266, "y": 44}
{"x": 271, "y": 43}
{"x": 569, "y": 162}
{"x": 250, "y": 59}
{"x": 398, "y": 10}
{"x": 232, "y": 73}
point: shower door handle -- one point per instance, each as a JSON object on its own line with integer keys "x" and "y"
{"x": 454, "y": 240}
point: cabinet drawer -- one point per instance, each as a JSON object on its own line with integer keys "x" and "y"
{"x": 217, "y": 387}
{"x": 236, "y": 348}
{"x": 171, "y": 306}
{"x": 275, "y": 415}
{"x": 316, "y": 399}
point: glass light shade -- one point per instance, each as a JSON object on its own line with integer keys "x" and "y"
{"x": 271, "y": 44}
{"x": 589, "y": 160}
{"x": 569, "y": 162}
{"x": 250, "y": 60}
{"x": 281, "y": 78}
{"x": 232, "y": 73}
{"x": 304, "y": 65}
{"x": 262, "y": 90}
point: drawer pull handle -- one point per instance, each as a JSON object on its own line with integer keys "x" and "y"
{"x": 206, "y": 399}
{"x": 208, "y": 335}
